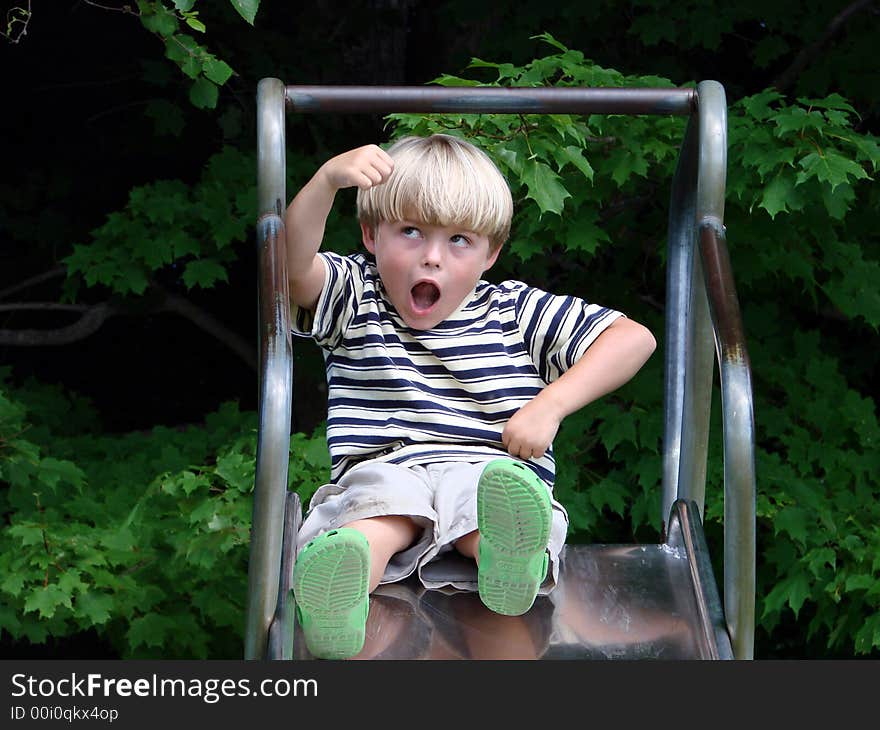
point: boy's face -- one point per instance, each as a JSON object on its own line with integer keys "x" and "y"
{"x": 427, "y": 271}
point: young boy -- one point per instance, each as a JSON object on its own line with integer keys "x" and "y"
{"x": 445, "y": 391}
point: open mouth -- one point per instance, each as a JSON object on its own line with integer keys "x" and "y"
{"x": 425, "y": 295}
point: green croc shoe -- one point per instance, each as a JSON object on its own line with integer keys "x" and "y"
{"x": 331, "y": 580}
{"x": 513, "y": 515}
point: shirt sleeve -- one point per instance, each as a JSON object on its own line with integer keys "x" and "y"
{"x": 337, "y": 304}
{"x": 558, "y": 330}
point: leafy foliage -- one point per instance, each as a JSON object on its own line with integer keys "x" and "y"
{"x": 173, "y": 231}
{"x": 141, "y": 537}
{"x": 207, "y": 71}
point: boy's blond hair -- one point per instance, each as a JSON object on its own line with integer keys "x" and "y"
{"x": 441, "y": 180}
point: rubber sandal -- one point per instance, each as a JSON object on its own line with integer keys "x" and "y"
{"x": 331, "y": 579}
{"x": 513, "y": 516}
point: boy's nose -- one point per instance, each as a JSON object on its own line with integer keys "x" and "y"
{"x": 432, "y": 253}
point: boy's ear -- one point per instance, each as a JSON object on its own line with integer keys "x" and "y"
{"x": 368, "y": 237}
{"x": 492, "y": 258}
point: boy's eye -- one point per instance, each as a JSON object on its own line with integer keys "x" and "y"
{"x": 410, "y": 231}
{"x": 459, "y": 240}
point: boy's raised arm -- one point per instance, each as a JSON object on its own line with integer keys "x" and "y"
{"x": 307, "y": 214}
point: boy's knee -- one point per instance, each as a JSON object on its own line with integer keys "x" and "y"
{"x": 387, "y": 533}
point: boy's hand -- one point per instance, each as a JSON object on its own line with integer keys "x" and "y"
{"x": 530, "y": 431}
{"x": 363, "y": 168}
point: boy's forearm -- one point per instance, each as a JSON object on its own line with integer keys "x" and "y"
{"x": 611, "y": 361}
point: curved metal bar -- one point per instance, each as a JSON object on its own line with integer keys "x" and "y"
{"x": 280, "y": 644}
{"x": 276, "y": 374}
{"x": 736, "y": 386}
{"x": 488, "y": 100}
{"x": 739, "y": 442}
{"x": 697, "y": 393}
{"x": 679, "y": 262}
{"x": 686, "y": 531}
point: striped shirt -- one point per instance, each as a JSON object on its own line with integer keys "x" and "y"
{"x": 410, "y": 397}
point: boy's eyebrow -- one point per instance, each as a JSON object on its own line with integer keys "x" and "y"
{"x": 416, "y": 224}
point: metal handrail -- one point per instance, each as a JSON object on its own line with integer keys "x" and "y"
{"x": 276, "y": 373}
{"x": 697, "y": 311}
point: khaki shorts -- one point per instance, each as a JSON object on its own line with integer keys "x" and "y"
{"x": 442, "y": 498}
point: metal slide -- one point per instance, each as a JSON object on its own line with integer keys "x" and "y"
{"x": 613, "y": 601}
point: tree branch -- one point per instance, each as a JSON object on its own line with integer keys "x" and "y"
{"x": 86, "y": 325}
{"x": 789, "y": 76}
{"x": 43, "y": 307}
{"x": 38, "y": 279}
{"x": 17, "y": 20}
{"x": 93, "y": 317}
{"x": 206, "y": 322}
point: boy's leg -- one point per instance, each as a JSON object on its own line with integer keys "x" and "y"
{"x": 386, "y": 535}
{"x": 334, "y": 575}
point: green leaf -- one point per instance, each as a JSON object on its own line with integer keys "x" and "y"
{"x": 204, "y": 93}
{"x": 192, "y": 482}
{"x": 794, "y": 521}
{"x": 574, "y": 156}
{"x": 9, "y": 620}
{"x": 96, "y": 607}
{"x": 316, "y": 453}
{"x": 860, "y": 582}
{"x": 781, "y": 195}
{"x": 12, "y": 584}
{"x": 27, "y": 534}
{"x": 830, "y": 167}
{"x": 544, "y": 187}
{"x": 832, "y": 101}
{"x": 149, "y": 630}
{"x": 204, "y": 273}
{"x": 46, "y": 600}
{"x": 53, "y": 471}
{"x": 161, "y": 20}
{"x": 793, "y": 590}
{"x": 236, "y": 470}
{"x": 616, "y": 430}
{"x": 839, "y": 201}
{"x": 196, "y": 24}
{"x": 626, "y": 163}
{"x": 818, "y": 559}
{"x": 184, "y": 5}
{"x": 611, "y": 493}
{"x": 122, "y": 540}
{"x": 798, "y": 593}
{"x": 247, "y": 9}
{"x": 796, "y": 119}
{"x": 867, "y": 638}
{"x": 217, "y": 71}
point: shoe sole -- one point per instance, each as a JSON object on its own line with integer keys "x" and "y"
{"x": 331, "y": 587}
{"x": 513, "y": 515}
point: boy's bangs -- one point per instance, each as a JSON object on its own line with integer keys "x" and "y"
{"x": 441, "y": 197}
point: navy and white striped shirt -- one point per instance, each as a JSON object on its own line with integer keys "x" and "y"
{"x": 412, "y": 397}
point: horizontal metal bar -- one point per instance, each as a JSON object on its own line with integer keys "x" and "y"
{"x": 490, "y": 100}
